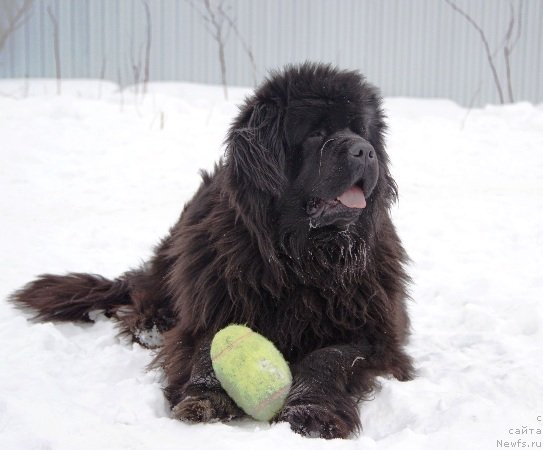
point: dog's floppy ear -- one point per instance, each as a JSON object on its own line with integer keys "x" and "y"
{"x": 255, "y": 171}
{"x": 255, "y": 152}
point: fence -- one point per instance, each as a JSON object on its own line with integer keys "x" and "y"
{"x": 417, "y": 48}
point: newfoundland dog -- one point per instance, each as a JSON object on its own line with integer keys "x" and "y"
{"x": 291, "y": 235}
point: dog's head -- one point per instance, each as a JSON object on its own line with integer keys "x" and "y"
{"x": 308, "y": 147}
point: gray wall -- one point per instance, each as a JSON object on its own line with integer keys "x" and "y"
{"x": 408, "y": 47}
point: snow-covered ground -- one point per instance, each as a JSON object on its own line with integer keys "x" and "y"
{"x": 91, "y": 179}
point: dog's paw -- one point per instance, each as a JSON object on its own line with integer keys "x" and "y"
{"x": 318, "y": 421}
{"x": 206, "y": 407}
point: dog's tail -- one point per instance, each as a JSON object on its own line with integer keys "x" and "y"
{"x": 72, "y": 297}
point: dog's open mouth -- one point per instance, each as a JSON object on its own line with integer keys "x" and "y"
{"x": 353, "y": 198}
{"x": 350, "y": 202}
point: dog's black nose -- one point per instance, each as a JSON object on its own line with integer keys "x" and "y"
{"x": 362, "y": 150}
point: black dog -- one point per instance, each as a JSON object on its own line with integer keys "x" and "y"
{"x": 291, "y": 235}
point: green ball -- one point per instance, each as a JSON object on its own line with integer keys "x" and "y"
{"x": 251, "y": 370}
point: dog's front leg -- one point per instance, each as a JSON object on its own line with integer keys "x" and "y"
{"x": 327, "y": 385}
{"x": 202, "y": 397}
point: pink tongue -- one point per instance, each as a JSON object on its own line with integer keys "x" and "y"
{"x": 353, "y": 198}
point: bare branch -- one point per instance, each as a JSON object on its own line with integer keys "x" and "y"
{"x": 56, "y": 47}
{"x": 121, "y": 90}
{"x": 511, "y": 26}
{"x": 200, "y": 13}
{"x": 223, "y": 14}
{"x": 506, "y": 56}
{"x": 12, "y": 17}
{"x": 140, "y": 58}
{"x": 147, "y": 47}
{"x": 470, "y": 105}
{"x": 244, "y": 44}
{"x": 519, "y": 26}
{"x": 213, "y": 17}
{"x": 510, "y": 44}
{"x": 103, "y": 68}
{"x": 135, "y": 65}
{"x": 102, "y": 76}
{"x": 507, "y": 51}
{"x": 485, "y": 43}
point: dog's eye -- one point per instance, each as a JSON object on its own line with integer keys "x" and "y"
{"x": 317, "y": 133}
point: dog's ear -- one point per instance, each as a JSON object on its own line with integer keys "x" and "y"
{"x": 255, "y": 150}
{"x": 255, "y": 171}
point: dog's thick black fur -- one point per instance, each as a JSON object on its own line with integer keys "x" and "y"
{"x": 291, "y": 235}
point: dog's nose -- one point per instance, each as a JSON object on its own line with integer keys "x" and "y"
{"x": 361, "y": 150}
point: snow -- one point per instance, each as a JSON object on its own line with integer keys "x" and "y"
{"x": 91, "y": 179}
